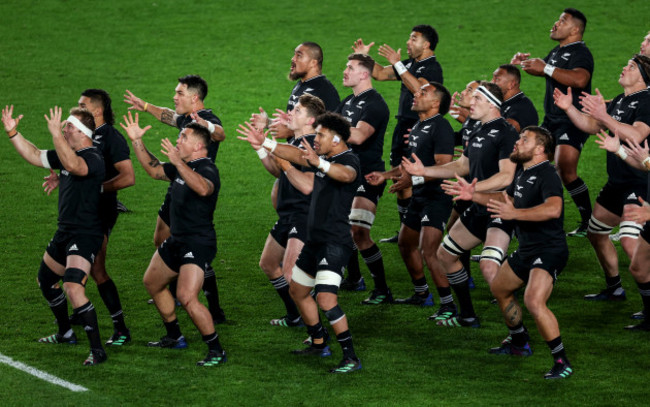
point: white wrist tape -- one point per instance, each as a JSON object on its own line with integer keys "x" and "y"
{"x": 211, "y": 127}
{"x": 324, "y": 165}
{"x": 400, "y": 68}
{"x": 270, "y": 144}
{"x": 621, "y": 153}
{"x": 417, "y": 180}
{"x": 548, "y": 70}
{"x": 646, "y": 162}
{"x": 261, "y": 153}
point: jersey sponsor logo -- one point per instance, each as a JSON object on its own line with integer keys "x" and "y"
{"x": 180, "y": 181}
{"x": 189, "y": 255}
{"x": 632, "y": 196}
{"x": 320, "y": 174}
{"x": 538, "y": 261}
{"x": 349, "y": 113}
{"x": 407, "y": 66}
{"x": 618, "y": 111}
{"x": 361, "y": 189}
{"x": 519, "y": 187}
{"x": 293, "y": 231}
{"x": 294, "y": 97}
{"x": 479, "y": 139}
{"x": 552, "y": 60}
{"x": 415, "y": 137}
{"x": 564, "y": 137}
{"x": 323, "y": 262}
{"x": 566, "y": 56}
{"x": 74, "y": 248}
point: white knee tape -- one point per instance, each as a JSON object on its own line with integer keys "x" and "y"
{"x": 326, "y": 277}
{"x": 451, "y": 247}
{"x": 631, "y": 230}
{"x": 492, "y": 253}
{"x": 362, "y": 218}
{"x": 302, "y": 278}
{"x": 598, "y": 227}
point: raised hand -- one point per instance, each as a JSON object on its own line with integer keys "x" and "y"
{"x": 135, "y": 102}
{"x": 390, "y": 54}
{"x": 132, "y": 127}
{"x": 459, "y": 189}
{"x": 259, "y": 120}
{"x": 519, "y": 57}
{"x": 504, "y": 210}
{"x": 252, "y": 134}
{"x": 360, "y": 48}
{"x": 414, "y": 168}
{"x": 309, "y": 154}
{"x": 54, "y": 124}
{"x": 9, "y": 122}
{"x": 611, "y": 144}
{"x": 171, "y": 151}
{"x": 562, "y": 100}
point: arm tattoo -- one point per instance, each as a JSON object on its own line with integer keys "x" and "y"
{"x": 154, "y": 161}
{"x": 167, "y": 117}
{"x": 512, "y": 313}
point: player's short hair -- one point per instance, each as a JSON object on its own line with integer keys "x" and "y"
{"x": 644, "y": 62}
{"x": 313, "y": 104}
{"x": 315, "y": 52}
{"x": 201, "y": 132}
{"x": 513, "y": 71}
{"x": 364, "y": 60}
{"x": 196, "y": 84}
{"x": 429, "y": 33}
{"x": 85, "y": 117}
{"x": 443, "y": 95}
{"x": 578, "y": 16}
{"x": 335, "y": 123}
{"x": 493, "y": 88}
{"x": 101, "y": 96}
{"x": 544, "y": 138}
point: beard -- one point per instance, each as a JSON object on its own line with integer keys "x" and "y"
{"x": 518, "y": 157}
{"x": 295, "y": 75}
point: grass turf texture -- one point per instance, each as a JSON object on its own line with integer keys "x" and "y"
{"x": 52, "y": 50}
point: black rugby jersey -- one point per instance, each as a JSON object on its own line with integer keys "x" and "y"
{"x": 191, "y": 214}
{"x": 290, "y": 200}
{"x": 329, "y": 211}
{"x": 429, "y": 137}
{"x": 428, "y": 68}
{"x": 570, "y": 56}
{"x": 521, "y": 109}
{"x": 628, "y": 109}
{"x": 487, "y": 145}
{"x": 318, "y": 86}
{"x": 79, "y": 196}
{"x": 206, "y": 114}
{"x": 114, "y": 148}
{"x": 368, "y": 106}
{"x": 532, "y": 187}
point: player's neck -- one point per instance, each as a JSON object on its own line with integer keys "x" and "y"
{"x": 427, "y": 53}
{"x": 489, "y": 117}
{"x": 536, "y": 160}
{"x": 361, "y": 87}
{"x": 428, "y": 113}
{"x": 634, "y": 88}
{"x": 197, "y": 107}
{"x": 311, "y": 74}
{"x": 338, "y": 149}
{"x": 507, "y": 95}
{"x": 570, "y": 40}
{"x": 99, "y": 122}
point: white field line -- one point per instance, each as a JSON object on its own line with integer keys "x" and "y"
{"x": 40, "y": 374}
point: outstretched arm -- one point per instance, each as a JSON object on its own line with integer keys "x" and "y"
{"x": 255, "y": 137}
{"x": 594, "y": 106}
{"x": 25, "y": 148}
{"x": 164, "y": 114}
{"x": 68, "y": 157}
{"x": 503, "y": 208}
{"x": 149, "y": 162}
{"x": 449, "y": 170}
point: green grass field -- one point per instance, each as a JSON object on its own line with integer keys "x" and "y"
{"x": 52, "y": 50}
